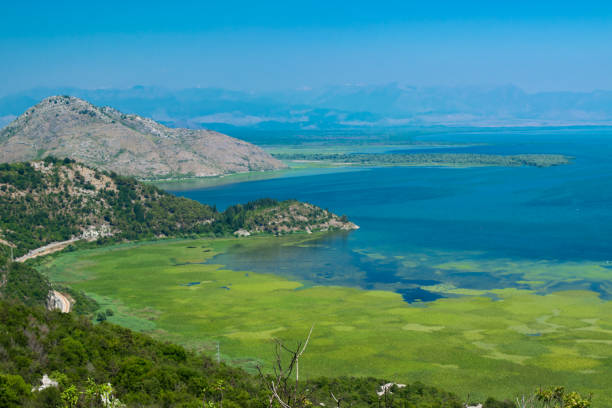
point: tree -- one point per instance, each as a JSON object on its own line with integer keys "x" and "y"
{"x": 13, "y": 390}
{"x": 556, "y": 397}
{"x": 218, "y": 390}
{"x": 107, "y": 396}
{"x": 70, "y": 397}
{"x": 281, "y": 386}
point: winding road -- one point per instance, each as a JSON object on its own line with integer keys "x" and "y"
{"x": 57, "y": 299}
{"x": 62, "y": 301}
{"x": 46, "y": 250}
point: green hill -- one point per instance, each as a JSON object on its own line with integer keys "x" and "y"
{"x": 53, "y": 200}
{"x": 149, "y": 373}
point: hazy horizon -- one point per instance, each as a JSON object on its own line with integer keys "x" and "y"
{"x": 390, "y": 105}
{"x": 275, "y": 46}
{"x": 297, "y": 89}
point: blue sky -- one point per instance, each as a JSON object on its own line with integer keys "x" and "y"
{"x": 262, "y": 45}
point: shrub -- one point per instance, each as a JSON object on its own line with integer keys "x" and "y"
{"x": 13, "y": 391}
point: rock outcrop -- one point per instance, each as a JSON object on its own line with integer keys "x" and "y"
{"x": 58, "y": 301}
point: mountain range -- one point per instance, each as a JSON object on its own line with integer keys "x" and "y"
{"x": 340, "y": 107}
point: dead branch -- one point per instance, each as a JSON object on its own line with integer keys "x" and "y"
{"x": 280, "y": 388}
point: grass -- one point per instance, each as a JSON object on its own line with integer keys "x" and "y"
{"x": 469, "y": 344}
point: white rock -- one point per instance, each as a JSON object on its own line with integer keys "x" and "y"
{"x": 242, "y": 233}
{"x": 385, "y": 388}
{"x": 46, "y": 383}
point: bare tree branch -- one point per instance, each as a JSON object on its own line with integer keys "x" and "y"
{"x": 280, "y": 388}
{"x": 297, "y": 357}
{"x": 338, "y": 401}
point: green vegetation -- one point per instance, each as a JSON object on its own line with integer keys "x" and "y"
{"x": 25, "y": 283}
{"x": 83, "y": 358}
{"x": 502, "y": 342}
{"x": 430, "y": 159}
{"x": 56, "y": 200}
{"x": 267, "y": 215}
{"x": 83, "y": 304}
{"x": 143, "y": 371}
{"x": 557, "y": 398}
{"x": 21, "y": 282}
{"x": 59, "y": 199}
{"x": 310, "y": 159}
{"x": 90, "y": 362}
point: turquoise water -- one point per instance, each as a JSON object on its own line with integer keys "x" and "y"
{"x": 414, "y": 219}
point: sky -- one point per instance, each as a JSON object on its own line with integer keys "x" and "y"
{"x": 280, "y": 45}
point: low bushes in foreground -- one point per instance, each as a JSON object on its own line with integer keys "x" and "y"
{"x": 84, "y": 358}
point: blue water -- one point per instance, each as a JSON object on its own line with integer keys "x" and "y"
{"x": 560, "y": 213}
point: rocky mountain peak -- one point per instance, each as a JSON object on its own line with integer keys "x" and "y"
{"x": 103, "y": 137}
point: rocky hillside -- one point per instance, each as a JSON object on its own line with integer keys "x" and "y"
{"x": 49, "y": 201}
{"x": 56, "y": 200}
{"x": 64, "y": 126}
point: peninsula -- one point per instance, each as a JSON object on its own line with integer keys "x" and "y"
{"x": 429, "y": 159}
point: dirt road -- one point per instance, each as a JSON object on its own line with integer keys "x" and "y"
{"x": 46, "y": 250}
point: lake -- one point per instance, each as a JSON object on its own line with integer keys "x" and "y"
{"x": 487, "y": 281}
{"x": 425, "y": 230}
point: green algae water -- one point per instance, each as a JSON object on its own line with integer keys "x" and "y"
{"x": 427, "y": 232}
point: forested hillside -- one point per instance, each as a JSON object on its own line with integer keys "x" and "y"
{"x": 21, "y": 282}
{"x": 82, "y": 356}
{"x": 56, "y": 200}
{"x": 104, "y": 365}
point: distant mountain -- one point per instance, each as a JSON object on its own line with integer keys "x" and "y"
{"x": 504, "y": 105}
{"x": 105, "y": 138}
{"x": 340, "y": 107}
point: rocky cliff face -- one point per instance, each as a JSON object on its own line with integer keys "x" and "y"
{"x": 103, "y": 137}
